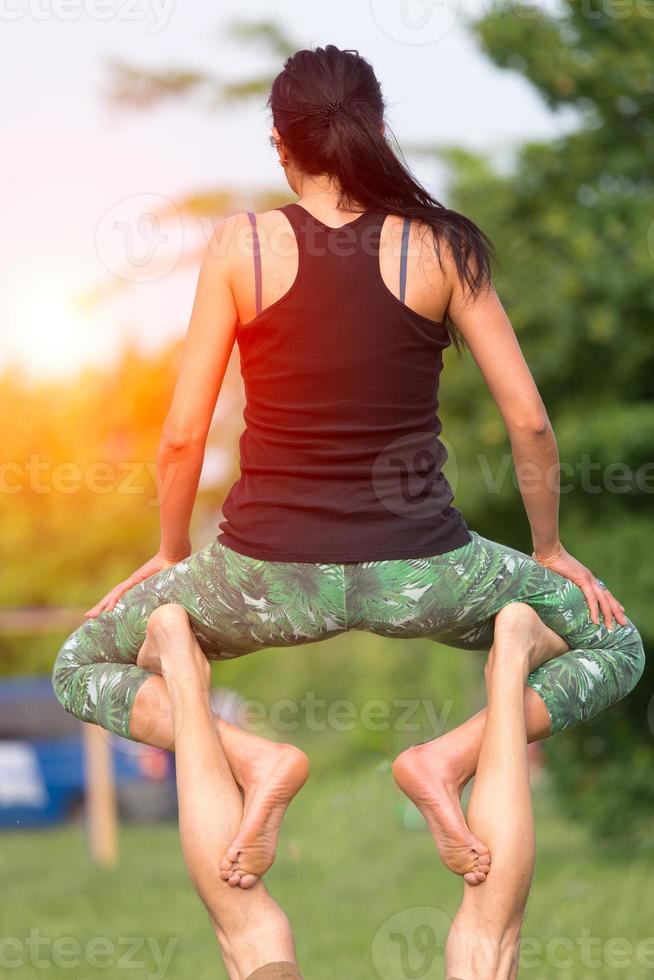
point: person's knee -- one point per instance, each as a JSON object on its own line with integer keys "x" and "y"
{"x": 68, "y": 669}
{"x": 515, "y": 617}
{"x": 65, "y": 665}
{"x": 635, "y": 660}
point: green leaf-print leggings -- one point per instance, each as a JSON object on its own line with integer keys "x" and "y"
{"x": 237, "y": 604}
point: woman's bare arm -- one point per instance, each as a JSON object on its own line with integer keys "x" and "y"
{"x": 209, "y": 342}
{"x": 488, "y": 332}
{"x": 207, "y": 349}
{"x": 493, "y": 344}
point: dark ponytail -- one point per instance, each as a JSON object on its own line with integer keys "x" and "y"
{"x": 328, "y": 107}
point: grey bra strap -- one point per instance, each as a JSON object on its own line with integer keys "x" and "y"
{"x": 406, "y": 227}
{"x": 257, "y": 263}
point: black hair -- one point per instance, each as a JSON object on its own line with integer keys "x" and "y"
{"x": 328, "y": 106}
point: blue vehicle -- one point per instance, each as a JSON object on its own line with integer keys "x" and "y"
{"x": 42, "y": 763}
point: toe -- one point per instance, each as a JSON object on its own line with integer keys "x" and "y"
{"x": 248, "y": 880}
{"x": 483, "y": 863}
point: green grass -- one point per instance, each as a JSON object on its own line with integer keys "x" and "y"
{"x": 355, "y": 884}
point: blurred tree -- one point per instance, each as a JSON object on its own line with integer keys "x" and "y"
{"x": 572, "y": 223}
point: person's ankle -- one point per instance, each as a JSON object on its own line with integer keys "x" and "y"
{"x": 443, "y": 758}
{"x": 271, "y": 934}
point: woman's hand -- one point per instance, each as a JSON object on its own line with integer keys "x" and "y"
{"x": 598, "y": 597}
{"x": 151, "y": 567}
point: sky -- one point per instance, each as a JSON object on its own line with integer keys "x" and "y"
{"x": 83, "y": 179}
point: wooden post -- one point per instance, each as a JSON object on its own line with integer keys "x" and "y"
{"x": 101, "y": 805}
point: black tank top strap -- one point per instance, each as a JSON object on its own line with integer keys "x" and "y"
{"x": 256, "y": 252}
{"x": 406, "y": 227}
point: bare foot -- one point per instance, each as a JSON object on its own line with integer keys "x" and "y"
{"x": 270, "y": 783}
{"x": 521, "y": 638}
{"x": 170, "y": 645}
{"x": 431, "y": 775}
{"x": 432, "y": 782}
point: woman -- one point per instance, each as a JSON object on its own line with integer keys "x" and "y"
{"x": 342, "y": 304}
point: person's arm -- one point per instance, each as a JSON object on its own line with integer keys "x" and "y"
{"x": 488, "y": 332}
{"x": 207, "y": 348}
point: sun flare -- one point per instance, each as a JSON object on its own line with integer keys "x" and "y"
{"x": 50, "y": 333}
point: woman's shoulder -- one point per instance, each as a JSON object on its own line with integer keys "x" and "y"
{"x": 232, "y": 235}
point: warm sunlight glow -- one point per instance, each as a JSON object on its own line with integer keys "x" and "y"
{"x": 50, "y": 334}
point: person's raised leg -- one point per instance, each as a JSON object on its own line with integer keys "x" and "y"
{"x": 434, "y": 774}
{"x": 260, "y": 601}
{"x": 252, "y": 930}
{"x": 484, "y": 938}
{"x": 270, "y": 774}
{"x": 97, "y": 679}
{"x": 604, "y": 664}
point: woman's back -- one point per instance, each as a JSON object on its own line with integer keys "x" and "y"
{"x": 340, "y": 459}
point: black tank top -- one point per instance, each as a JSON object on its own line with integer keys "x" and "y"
{"x": 341, "y": 457}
